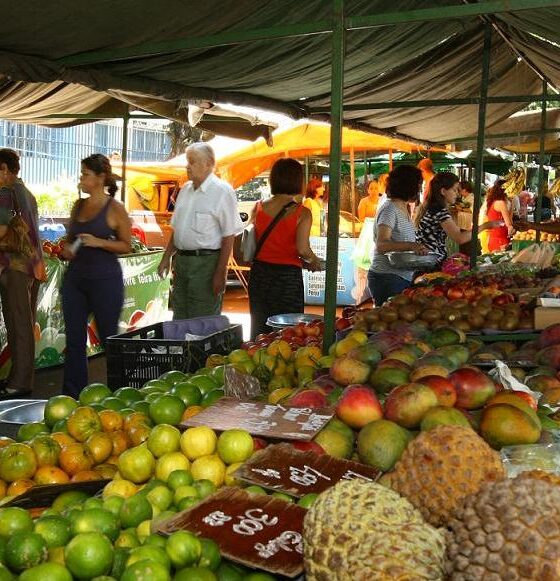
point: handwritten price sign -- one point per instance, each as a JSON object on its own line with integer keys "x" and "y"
{"x": 285, "y": 469}
{"x": 255, "y": 530}
{"x": 261, "y": 419}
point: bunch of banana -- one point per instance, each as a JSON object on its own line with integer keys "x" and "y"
{"x": 515, "y": 180}
{"x": 554, "y": 190}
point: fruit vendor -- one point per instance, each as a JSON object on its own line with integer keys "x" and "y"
{"x": 20, "y": 276}
{"x": 205, "y": 223}
{"x": 394, "y": 231}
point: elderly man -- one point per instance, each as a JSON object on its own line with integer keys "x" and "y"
{"x": 205, "y": 223}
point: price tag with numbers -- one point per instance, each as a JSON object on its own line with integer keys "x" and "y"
{"x": 262, "y": 419}
{"x": 251, "y": 529}
{"x": 285, "y": 469}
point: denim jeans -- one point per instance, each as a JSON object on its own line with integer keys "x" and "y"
{"x": 384, "y": 285}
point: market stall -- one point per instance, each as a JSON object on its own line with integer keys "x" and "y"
{"x": 145, "y": 302}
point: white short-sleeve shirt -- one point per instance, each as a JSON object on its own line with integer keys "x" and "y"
{"x": 204, "y": 216}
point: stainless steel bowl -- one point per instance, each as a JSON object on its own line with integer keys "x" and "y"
{"x": 410, "y": 260}
{"x": 290, "y": 319}
{"x": 24, "y": 411}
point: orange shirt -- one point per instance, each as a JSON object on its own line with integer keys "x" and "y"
{"x": 280, "y": 245}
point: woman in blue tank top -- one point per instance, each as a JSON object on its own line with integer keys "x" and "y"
{"x": 99, "y": 230}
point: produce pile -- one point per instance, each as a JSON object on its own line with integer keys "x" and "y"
{"x": 54, "y": 249}
{"x": 408, "y": 401}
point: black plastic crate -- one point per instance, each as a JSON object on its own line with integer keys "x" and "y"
{"x": 138, "y": 356}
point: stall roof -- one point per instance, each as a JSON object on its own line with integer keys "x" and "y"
{"x": 303, "y": 139}
{"x": 65, "y": 56}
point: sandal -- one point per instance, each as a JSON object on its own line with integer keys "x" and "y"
{"x": 8, "y": 393}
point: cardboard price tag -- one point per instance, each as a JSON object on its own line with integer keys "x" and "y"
{"x": 262, "y": 419}
{"x": 254, "y": 530}
{"x": 285, "y": 469}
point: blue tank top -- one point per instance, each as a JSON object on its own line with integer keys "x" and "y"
{"x": 94, "y": 262}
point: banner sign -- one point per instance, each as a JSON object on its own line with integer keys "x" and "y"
{"x": 145, "y": 302}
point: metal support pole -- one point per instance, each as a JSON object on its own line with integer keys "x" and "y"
{"x": 337, "y": 87}
{"x": 353, "y": 190}
{"x": 306, "y": 170}
{"x": 541, "y": 185}
{"x": 480, "y": 139}
{"x": 124, "y": 155}
{"x": 390, "y": 159}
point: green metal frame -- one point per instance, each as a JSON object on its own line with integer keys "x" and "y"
{"x": 337, "y": 27}
{"x": 337, "y": 86}
{"x": 480, "y": 140}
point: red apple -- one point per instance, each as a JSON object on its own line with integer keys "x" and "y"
{"x": 443, "y": 388}
{"x": 342, "y": 324}
{"x": 472, "y": 386}
{"x": 312, "y": 330}
{"x": 358, "y": 406}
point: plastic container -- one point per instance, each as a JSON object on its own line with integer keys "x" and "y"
{"x": 135, "y": 357}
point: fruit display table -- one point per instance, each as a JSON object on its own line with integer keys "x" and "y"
{"x": 145, "y": 302}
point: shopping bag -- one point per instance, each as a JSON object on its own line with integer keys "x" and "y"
{"x": 248, "y": 243}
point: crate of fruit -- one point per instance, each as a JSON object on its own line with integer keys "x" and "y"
{"x": 135, "y": 357}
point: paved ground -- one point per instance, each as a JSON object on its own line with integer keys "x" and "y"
{"x": 48, "y": 382}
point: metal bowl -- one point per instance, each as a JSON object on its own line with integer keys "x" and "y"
{"x": 20, "y": 412}
{"x": 291, "y": 319}
{"x": 411, "y": 261}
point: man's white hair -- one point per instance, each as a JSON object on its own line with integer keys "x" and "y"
{"x": 203, "y": 149}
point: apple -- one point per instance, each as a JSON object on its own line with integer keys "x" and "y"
{"x": 473, "y": 388}
{"x": 346, "y": 371}
{"x": 308, "y": 398}
{"x": 358, "y": 406}
{"x": 342, "y": 323}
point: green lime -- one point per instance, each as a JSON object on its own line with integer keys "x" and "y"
{"x": 259, "y": 577}
{"x": 25, "y": 550}
{"x": 188, "y": 392}
{"x": 119, "y": 561}
{"x": 113, "y": 403}
{"x": 179, "y": 478}
{"x": 135, "y": 510}
{"x": 46, "y": 572}
{"x": 28, "y": 431}
{"x": 217, "y": 374}
{"x": 210, "y": 557}
{"x": 150, "y": 553}
{"x": 113, "y": 504}
{"x": 158, "y": 383}
{"x": 60, "y": 426}
{"x": 69, "y": 498}
{"x": 156, "y": 540}
{"x": 204, "y": 487}
{"x": 96, "y": 520}
{"x": 6, "y": 575}
{"x": 253, "y": 489}
{"x": 229, "y": 572}
{"x": 184, "y": 549}
{"x": 195, "y": 574}
{"x": 146, "y": 571}
{"x": 187, "y": 502}
{"x": 187, "y": 491}
{"x": 160, "y": 497}
{"x": 204, "y": 382}
{"x": 128, "y": 539}
{"x": 126, "y": 412}
{"x": 93, "y": 502}
{"x": 129, "y": 395}
{"x": 283, "y": 496}
{"x": 212, "y": 397}
{"x": 54, "y": 529}
{"x": 94, "y": 393}
{"x": 172, "y": 377}
{"x": 141, "y": 406}
{"x": 14, "y": 520}
{"x": 168, "y": 409}
{"x": 307, "y": 500}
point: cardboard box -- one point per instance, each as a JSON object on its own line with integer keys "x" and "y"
{"x": 546, "y": 316}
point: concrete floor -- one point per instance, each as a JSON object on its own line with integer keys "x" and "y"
{"x": 48, "y": 382}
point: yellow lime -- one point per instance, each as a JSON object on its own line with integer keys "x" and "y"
{"x": 230, "y": 479}
{"x": 198, "y": 442}
{"x": 123, "y": 488}
{"x": 209, "y": 468}
{"x": 170, "y": 462}
{"x": 279, "y": 394}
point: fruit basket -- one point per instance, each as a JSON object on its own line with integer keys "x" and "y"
{"x": 410, "y": 260}
{"x": 135, "y": 357}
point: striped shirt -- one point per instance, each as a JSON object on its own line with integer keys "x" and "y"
{"x": 402, "y": 230}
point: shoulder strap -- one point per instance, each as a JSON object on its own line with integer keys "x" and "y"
{"x": 275, "y": 221}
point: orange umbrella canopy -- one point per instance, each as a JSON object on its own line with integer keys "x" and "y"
{"x": 301, "y": 140}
